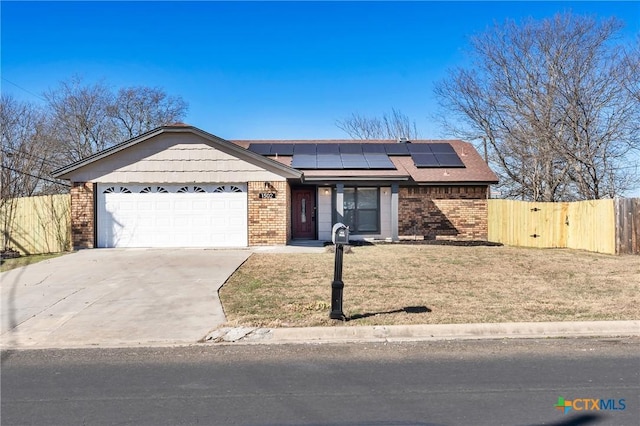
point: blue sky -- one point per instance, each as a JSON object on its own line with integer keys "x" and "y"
{"x": 263, "y": 69}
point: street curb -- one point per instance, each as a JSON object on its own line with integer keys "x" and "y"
{"x": 376, "y": 334}
{"x": 429, "y": 332}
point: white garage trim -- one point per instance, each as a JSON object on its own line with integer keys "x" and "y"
{"x": 176, "y": 215}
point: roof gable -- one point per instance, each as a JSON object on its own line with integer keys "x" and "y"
{"x": 136, "y": 145}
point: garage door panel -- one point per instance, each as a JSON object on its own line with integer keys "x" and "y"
{"x": 162, "y": 205}
{"x": 201, "y": 222}
{"x": 122, "y": 205}
{"x": 236, "y": 222}
{"x": 145, "y": 206}
{"x": 218, "y": 205}
{"x": 181, "y": 205}
{"x": 236, "y": 204}
{"x": 163, "y": 222}
{"x": 201, "y": 205}
{"x": 148, "y": 217}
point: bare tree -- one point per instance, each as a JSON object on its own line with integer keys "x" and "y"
{"x": 549, "y": 97}
{"x": 24, "y": 157}
{"x": 631, "y": 81}
{"x": 136, "y": 110}
{"x": 89, "y": 118}
{"x": 80, "y": 120}
{"x": 394, "y": 125}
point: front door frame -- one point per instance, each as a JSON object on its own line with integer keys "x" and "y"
{"x": 311, "y": 214}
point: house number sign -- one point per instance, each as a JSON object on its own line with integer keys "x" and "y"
{"x": 267, "y": 195}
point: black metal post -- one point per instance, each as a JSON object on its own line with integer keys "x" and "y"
{"x": 337, "y": 286}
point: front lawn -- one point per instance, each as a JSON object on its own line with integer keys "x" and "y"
{"x": 424, "y": 284}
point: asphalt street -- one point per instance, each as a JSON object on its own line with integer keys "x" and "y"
{"x": 502, "y": 382}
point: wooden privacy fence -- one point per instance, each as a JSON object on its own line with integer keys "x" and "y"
{"x": 604, "y": 226}
{"x": 34, "y": 225}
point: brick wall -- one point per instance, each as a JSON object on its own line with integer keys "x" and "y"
{"x": 269, "y": 218}
{"x": 443, "y": 212}
{"x": 82, "y": 218}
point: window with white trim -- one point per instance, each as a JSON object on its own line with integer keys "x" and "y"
{"x": 227, "y": 188}
{"x": 117, "y": 190}
{"x": 188, "y": 189}
{"x": 154, "y": 189}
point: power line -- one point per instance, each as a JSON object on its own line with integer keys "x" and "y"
{"x": 24, "y": 90}
{"x": 28, "y": 154}
{"x": 36, "y": 177}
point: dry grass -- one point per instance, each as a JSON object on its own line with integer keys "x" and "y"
{"x": 18, "y": 262}
{"x": 455, "y": 284}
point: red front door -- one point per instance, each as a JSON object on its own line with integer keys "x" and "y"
{"x": 303, "y": 213}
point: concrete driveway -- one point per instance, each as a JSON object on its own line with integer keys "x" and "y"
{"x": 116, "y": 297}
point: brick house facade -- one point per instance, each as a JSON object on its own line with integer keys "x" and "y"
{"x": 443, "y": 212}
{"x": 179, "y": 186}
{"x": 82, "y": 215}
{"x": 269, "y": 218}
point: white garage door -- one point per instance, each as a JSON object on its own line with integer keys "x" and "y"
{"x": 157, "y": 215}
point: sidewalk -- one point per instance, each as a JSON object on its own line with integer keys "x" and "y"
{"x": 429, "y": 332}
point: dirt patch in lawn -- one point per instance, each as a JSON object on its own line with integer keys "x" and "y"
{"x": 426, "y": 284}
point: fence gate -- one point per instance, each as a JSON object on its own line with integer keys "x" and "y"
{"x": 628, "y": 226}
{"x": 583, "y": 225}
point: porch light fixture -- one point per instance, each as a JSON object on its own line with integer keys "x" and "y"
{"x": 326, "y": 191}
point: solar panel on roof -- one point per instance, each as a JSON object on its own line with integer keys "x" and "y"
{"x": 350, "y": 148}
{"x": 354, "y": 161}
{"x": 328, "y": 148}
{"x": 443, "y": 148}
{"x": 448, "y": 160}
{"x": 304, "y": 148}
{"x": 378, "y": 161}
{"x": 396, "y": 149}
{"x": 419, "y": 148}
{"x": 329, "y": 161}
{"x": 355, "y": 166}
{"x": 373, "y": 148}
{"x": 304, "y": 161}
{"x": 421, "y": 159}
{"x": 282, "y": 149}
{"x": 360, "y": 155}
{"x": 260, "y": 148}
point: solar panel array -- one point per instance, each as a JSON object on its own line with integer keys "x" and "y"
{"x": 434, "y": 155}
{"x": 360, "y": 155}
